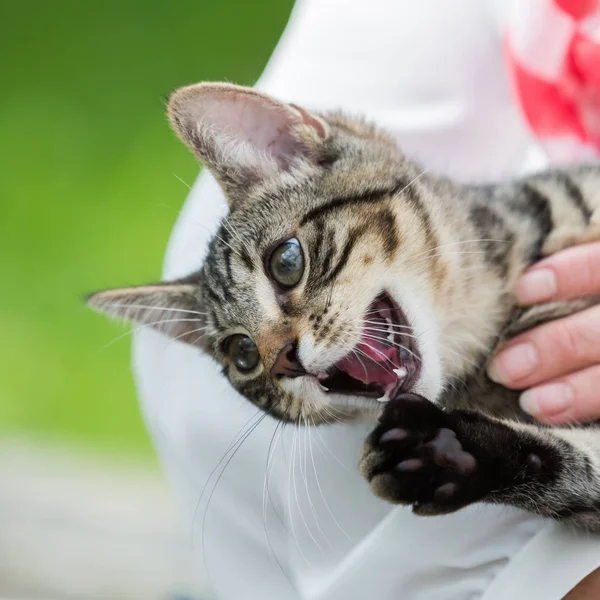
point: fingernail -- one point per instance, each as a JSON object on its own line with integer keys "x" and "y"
{"x": 536, "y": 286}
{"x": 514, "y": 363}
{"x": 547, "y": 400}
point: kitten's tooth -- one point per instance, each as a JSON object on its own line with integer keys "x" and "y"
{"x": 384, "y": 398}
{"x": 401, "y": 372}
{"x": 325, "y": 389}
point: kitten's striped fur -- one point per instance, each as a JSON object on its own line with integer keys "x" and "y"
{"x": 369, "y": 219}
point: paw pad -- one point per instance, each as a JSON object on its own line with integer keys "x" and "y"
{"x": 411, "y": 464}
{"x": 448, "y": 452}
{"x": 445, "y": 492}
{"x": 393, "y": 435}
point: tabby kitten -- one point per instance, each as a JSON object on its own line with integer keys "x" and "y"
{"x": 348, "y": 284}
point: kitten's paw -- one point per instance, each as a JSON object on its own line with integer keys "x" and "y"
{"x": 439, "y": 461}
{"x": 415, "y": 457}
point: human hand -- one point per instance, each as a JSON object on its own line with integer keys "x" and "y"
{"x": 558, "y": 363}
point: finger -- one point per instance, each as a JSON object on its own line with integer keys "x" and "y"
{"x": 549, "y": 351}
{"x": 572, "y": 273}
{"x": 574, "y": 398}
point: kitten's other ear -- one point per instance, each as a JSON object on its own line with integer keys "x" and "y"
{"x": 244, "y": 136}
{"x": 173, "y": 308}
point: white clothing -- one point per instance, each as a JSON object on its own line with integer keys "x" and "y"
{"x": 431, "y": 72}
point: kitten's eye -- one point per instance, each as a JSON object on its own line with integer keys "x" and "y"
{"x": 243, "y": 352}
{"x": 287, "y": 263}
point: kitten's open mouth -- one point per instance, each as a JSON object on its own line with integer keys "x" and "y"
{"x": 385, "y": 361}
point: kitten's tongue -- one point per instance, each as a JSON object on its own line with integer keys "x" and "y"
{"x": 378, "y": 368}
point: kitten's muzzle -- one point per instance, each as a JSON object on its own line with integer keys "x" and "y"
{"x": 287, "y": 363}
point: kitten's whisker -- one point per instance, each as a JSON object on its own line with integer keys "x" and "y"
{"x": 292, "y": 478}
{"x": 327, "y": 411}
{"x": 388, "y": 331}
{"x": 371, "y": 358}
{"x": 413, "y": 180}
{"x": 241, "y": 432}
{"x": 157, "y": 308}
{"x": 266, "y": 494}
{"x": 480, "y": 240}
{"x": 299, "y": 462}
{"x": 231, "y": 231}
{"x": 236, "y": 252}
{"x": 327, "y": 507}
{"x": 393, "y": 325}
{"x": 362, "y": 364}
{"x": 144, "y": 325}
{"x": 217, "y": 483}
{"x": 306, "y": 429}
{"x": 279, "y": 429}
{"x": 337, "y": 460}
{"x": 429, "y": 256}
{"x": 177, "y": 337}
{"x": 207, "y": 229}
{"x": 378, "y": 352}
{"x": 394, "y": 344}
{"x": 187, "y": 185}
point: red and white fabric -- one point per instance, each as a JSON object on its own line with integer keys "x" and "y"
{"x": 553, "y": 51}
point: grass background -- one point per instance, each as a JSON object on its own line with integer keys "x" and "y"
{"x": 88, "y": 190}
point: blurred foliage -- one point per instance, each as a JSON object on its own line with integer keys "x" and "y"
{"x": 88, "y": 189}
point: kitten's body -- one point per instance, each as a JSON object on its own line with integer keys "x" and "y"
{"x": 378, "y": 237}
{"x": 536, "y": 217}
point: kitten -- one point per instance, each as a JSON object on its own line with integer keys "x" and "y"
{"x": 348, "y": 284}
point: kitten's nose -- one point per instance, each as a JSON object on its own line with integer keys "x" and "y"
{"x": 287, "y": 362}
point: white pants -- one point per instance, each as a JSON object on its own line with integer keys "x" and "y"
{"x": 431, "y": 72}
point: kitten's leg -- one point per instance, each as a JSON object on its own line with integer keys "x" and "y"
{"x": 441, "y": 461}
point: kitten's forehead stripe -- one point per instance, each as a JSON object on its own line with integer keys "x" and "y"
{"x": 322, "y": 253}
{"x": 209, "y": 289}
{"x": 217, "y": 280}
{"x": 215, "y": 318}
{"x": 329, "y": 248}
{"x": 370, "y": 197}
{"x": 224, "y": 234}
{"x": 353, "y": 236}
{"x": 385, "y": 223}
{"x": 413, "y": 197}
{"x": 328, "y": 253}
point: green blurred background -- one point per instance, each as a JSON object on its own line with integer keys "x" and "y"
{"x": 88, "y": 188}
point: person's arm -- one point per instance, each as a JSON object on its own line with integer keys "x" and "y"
{"x": 588, "y": 589}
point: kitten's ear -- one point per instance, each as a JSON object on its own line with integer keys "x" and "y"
{"x": 173, "y": 308}
{"x": 243, "y": 135}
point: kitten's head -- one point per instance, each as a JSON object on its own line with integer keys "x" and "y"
{"x": 314, "y": 295}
